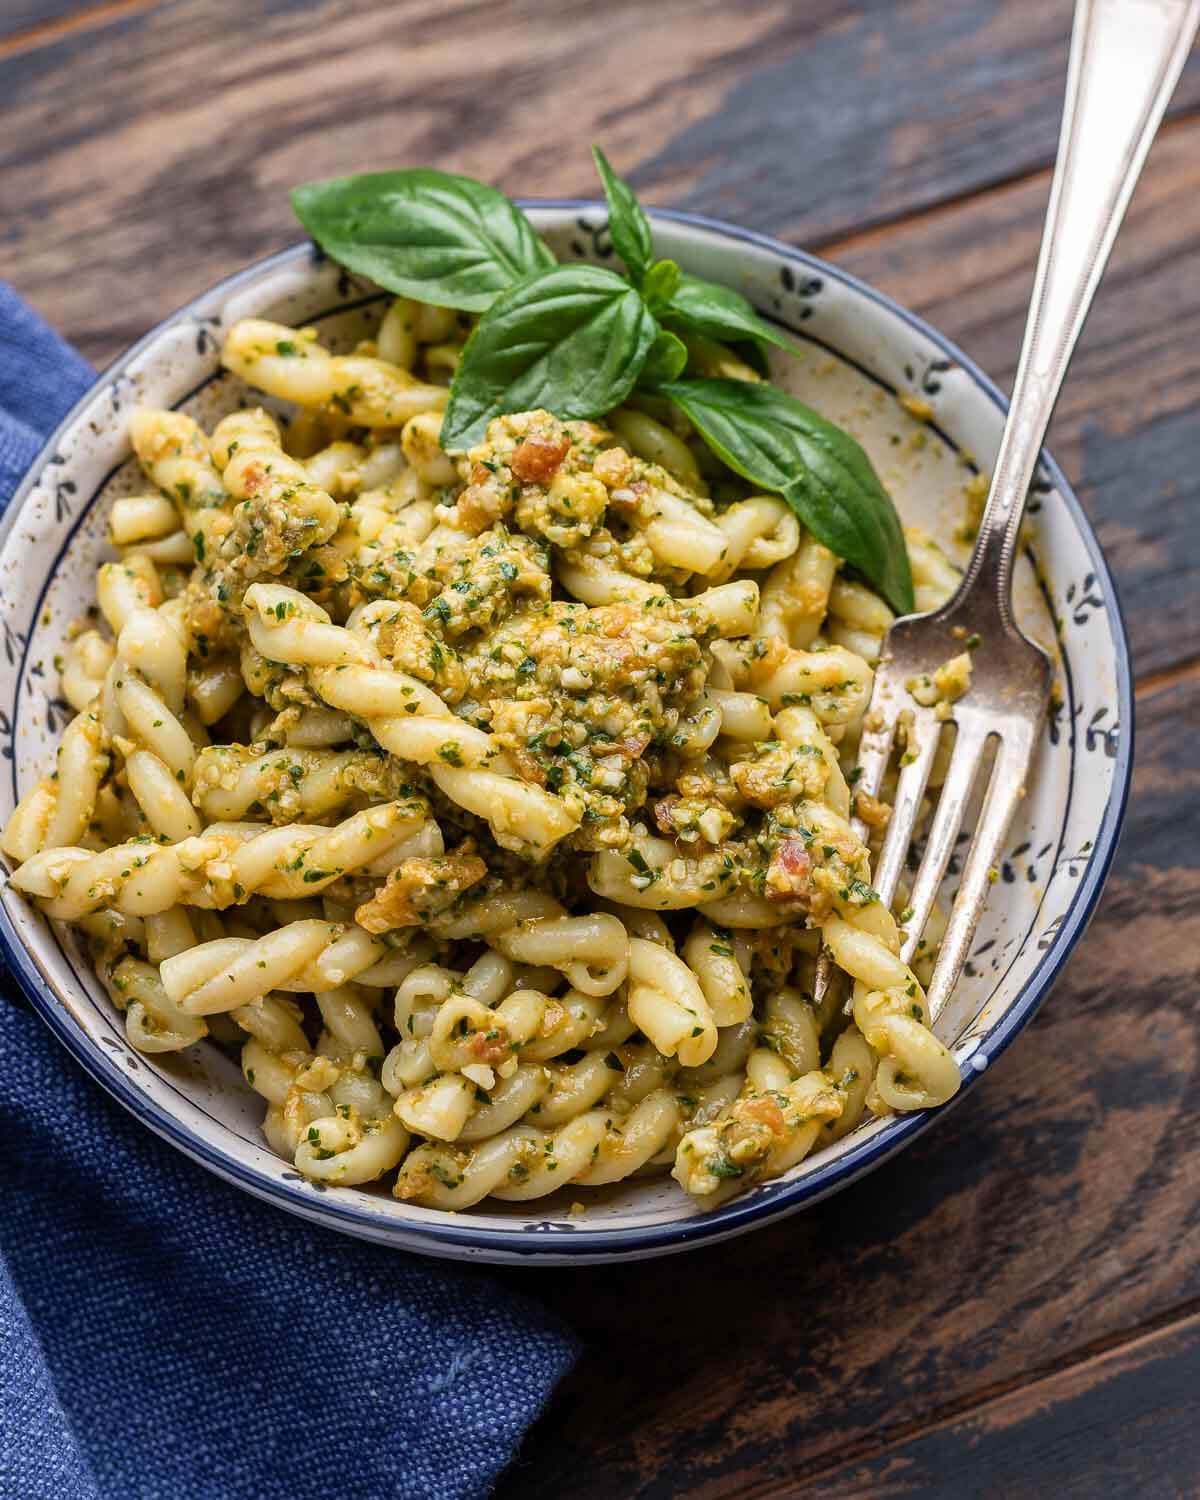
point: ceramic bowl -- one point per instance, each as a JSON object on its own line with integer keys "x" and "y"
{"x": 926, "y": 415}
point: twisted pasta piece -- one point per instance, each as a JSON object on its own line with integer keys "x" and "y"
{"x": 715, "y": 964}
{"x": 667, "y": 1004}
{"x": 620, "y": 1078}
{"x": 531, "y": 927}
{"x": 152, "y": 1022}
{"x": 935, "y": 578}
{"x": 292, "y": 365}
{"x": 851, "y": 1066}
{"x": 148, "y": 690}
{"x": 308, "y": 956}
{"x": 123, "y": 587}
{"x": 795, "y": 594}
{"x": 678, "y": 534}
{"x": 175, "y": 453}
{"x": 58, "y": 809}
{"x": 86, "y": 661}
{"x": 407, "y": 718}
{"x": 223, "y": 866}
{"x": 915, "y": 1071}
{"x": 150, "y": 525}
{"x": 759, "y": 533}
{"x": 596, "y": 581}
{"x": 657, "y": 444}
{"x": 279, "y": 513}
{"x": 523, "y": 1163}
{"x": 834, "y": 682}
{"x": 744, "y": 716}
{"x": 858, "y": 619}
{"x": 214, "y": 686}
{"x": 249, "y": 427}
{"x": 420, "y": 441}
{"x": 593, "y": 952}
{"x": 397, "y": 336}
{"x": 653, "y": 875}
{"x": 774, "y": 1123}
{"x": 326, "y": 1110}
{"x": 337, "y": 468}
{"x": 286, "y": 784}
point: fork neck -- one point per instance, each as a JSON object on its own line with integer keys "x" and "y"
{"x": 1126, "y": 56}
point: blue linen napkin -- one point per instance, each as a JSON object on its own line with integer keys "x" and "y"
{"x": 166, "y": 1337}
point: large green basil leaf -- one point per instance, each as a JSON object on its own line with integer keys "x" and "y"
{"x": 572, "y": 340}
{"x": 628, "y": 226}
{"x": 432, "y": 235}
{"x": 775, "y": 441}
{"x": 718, "y": 312}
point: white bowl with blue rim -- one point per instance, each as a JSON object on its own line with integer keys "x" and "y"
{"x": 926, "y": 415}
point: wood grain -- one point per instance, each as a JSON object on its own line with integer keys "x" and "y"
{"x": 150, "y": 156}
{"x": 1118, "y": 1407}
{"x": 1054, "y": 1209}
{"x": 20, "y": 17}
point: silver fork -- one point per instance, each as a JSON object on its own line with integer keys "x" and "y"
{"x": 1126, "y": 56}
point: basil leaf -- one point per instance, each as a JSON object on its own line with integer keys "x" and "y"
{"x": 667, "y": 360}
{"x": 628, "y": 226}
{"x": 432, "y": 235}
{"x": 718, "y": 312}
{"x": 572, "y": 340}
{"x": 775, "y": 441}
{"x": 660, "y": 284}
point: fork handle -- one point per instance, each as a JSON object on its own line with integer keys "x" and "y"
{"x": 1126, "y": 57}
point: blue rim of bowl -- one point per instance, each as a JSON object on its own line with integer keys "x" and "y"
{"x": 736, "y": 1215}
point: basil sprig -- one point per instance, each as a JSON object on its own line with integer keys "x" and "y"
{"x": 777, "y": 442}
{"x": 432, "y": 235}
{"x": 577, "y": 339}
{"x": 572, "y": 340}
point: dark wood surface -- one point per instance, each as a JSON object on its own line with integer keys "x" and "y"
{"x": 1012, "y": 1308}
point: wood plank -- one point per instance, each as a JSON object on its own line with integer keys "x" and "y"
{"x": 149, "y": 157}
{"x": 185, "y": 168}
{"x": 1125, "y": 429}
{"x": 1122, "y": 1423}
{"x": 1053, "y": 1210}
{"x": 18, "y": 17}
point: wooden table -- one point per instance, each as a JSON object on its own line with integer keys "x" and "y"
{"x": 1012, "y": 1308}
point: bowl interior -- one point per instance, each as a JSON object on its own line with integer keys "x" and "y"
{"x": 929, "y": 422}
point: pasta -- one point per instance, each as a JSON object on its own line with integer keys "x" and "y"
{"x": 496, "y": 802}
